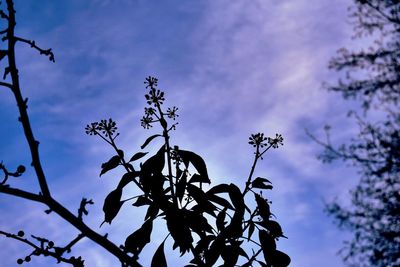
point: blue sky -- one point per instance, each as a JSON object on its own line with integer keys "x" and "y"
{"x": 232, "y": 67}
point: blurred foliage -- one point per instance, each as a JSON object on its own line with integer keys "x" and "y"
{"x": 372, "y": 76}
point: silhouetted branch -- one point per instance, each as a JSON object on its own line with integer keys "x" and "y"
{"x": 46, "y": 52}
{"x": 82, "y": 208}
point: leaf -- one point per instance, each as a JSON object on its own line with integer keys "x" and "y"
{"x": 201, "y": 199}
{"x": 112, "y": 163}
{"x": 141, "y": 201}
{"x": 198, "y": 223}
{"x": 196, "y": 178}
{"x": 268, "y": 245}
{"x": 112, "y": 205}
{"x": 251, "y": 230}
{"x": 152, "y": 168}
{"x": 280, "y": 259}
{"x": 260, "y": 183}
{"x": 135, "y": 242}
{"x": 181, "y": 186}
{"x": 3, "y": 53}
{"x": 152, "y": 211}
{"x": 221, "y": 188}
{"x": 236, "y": 197}
{"x": 149, "y": 139}
{"x": 137, "y": 156}
{"x": 221, "y": 201}
{"x": 197, "y": 161}
{"x": 179, "y": 230}
{"x": 220, "y": 222}
{"x": 263, "y": 207}
{"x": 273, "y": 227}
{"x": 127, "y": 178}
{"x": 159, "y": 257}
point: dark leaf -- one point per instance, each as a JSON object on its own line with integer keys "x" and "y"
{"x": 159, "y": 257}
{"x": 221, "y": 201}
{"x": 181, "y": 186}
{"x": 230, "y": 255}
{"x": 127, "y": 178}
{"x": 196, "y": 178}
{"x": 152, "y": 211}
{"x": 179, "y": 230}
{"x": 141, "y": 201}
{"x": 148, "y": 140}
{"x": 112, "y": 205}
{"x": 220, "y": 222}
{"x": 137, "y": 156}
{"x": 243, "y": 253}
{"x": 197, "y": 162}
{"x": 216, "y": 248}
{"x": 280, "y": 259}
{"x": 273, "y": 227}
{"x": 261, "y": 183}
{"x": 135, "y": 242}
{"x": 263, "y": 207}
{"x": 198, "y": 223}
{"x": 155, "y": 164}
{"x": 201, "y": 199}
{"x": 109, "y": 165}
{"x": 221, "y": 188}
{"x": 251, "y": 230}
{"x": 268, "y": 245}
{"x": 236, "y": 197}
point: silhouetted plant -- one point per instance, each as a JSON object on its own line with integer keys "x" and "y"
{"x": 210, "y": 224}
{"x": 372, "y": 77}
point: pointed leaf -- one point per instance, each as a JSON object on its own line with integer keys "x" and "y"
{"x": 141, "y": 201}
{"x": 152, "y": 211}
{"x": 181, "y": 186}
{"x": 263, "y": 207}
{"x": 135, "y": 242}
{"x": 261, "y": 183}
{"x": 221, "y": 188}
{"x": 127, "y": 178}
{"x": 268, "y": 245}
{"x": 280, "y": 259}
{"x": 112, "y": 205}
{"x": 110, "y": 164}
{"x": 148, "y": 140}
{"x": 197, "y": 162}
{"x": 273, "y": 227}
{"x": 196, "y": 178}
{"x": 221, "y": 201}
{"x": 159, "y": 257}
{"x": 137, "y": 156}
{"x": 251, "y": 230}
{"x": 220, "y": 222}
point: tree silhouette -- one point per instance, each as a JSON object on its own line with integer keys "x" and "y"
{"x": 373, "y": 78}
{"x": 221, "y": 224}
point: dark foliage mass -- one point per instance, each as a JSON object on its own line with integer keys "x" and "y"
{"x": 218, "y": 225}
{"x": 373, "y": 78}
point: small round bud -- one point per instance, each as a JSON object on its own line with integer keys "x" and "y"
{"x": 20, "y": 261}
{"x": 21, "y": 233}
{"x": 27, "y": 259}
{"x": 21, "y": 169}
{"x": 51, "y": 244}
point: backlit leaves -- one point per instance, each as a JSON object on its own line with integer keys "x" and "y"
{"x": 148, "y": 140}
{"x": 110, "y": 164}
{"x": 135, "y": 242}
{"x": 261, "y": 183}
{"x": 138, "y": 156}
{"x": 198, "y": 163}
{"x": 112, "y": 205}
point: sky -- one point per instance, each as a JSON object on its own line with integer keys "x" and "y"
{"x": 233, "y": 68}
